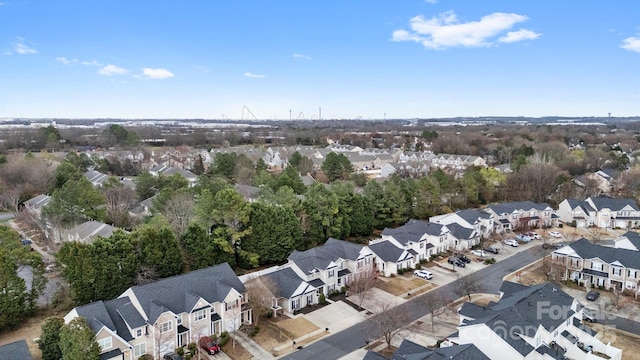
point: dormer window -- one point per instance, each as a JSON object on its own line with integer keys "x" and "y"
{"x": 105, "y": 343}
{"x": 200, "y": 314}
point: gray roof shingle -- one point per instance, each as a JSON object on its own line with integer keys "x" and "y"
{"x": 587, "y": 250}
{"x": 17, "y": 350}
{"x": 386, "y": 251}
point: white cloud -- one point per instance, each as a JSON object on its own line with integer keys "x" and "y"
{"x": 445, "y": 30}
{"x": 252, "y": 75}
{"x": 90, "y": 63}
{"x": 631, "y": 44}
{"x": 431, "y": 1}
{"x": 301, "y": 56}
{"x": 159, "y": 73}
{"x": 22, "y": 47}
{"x": 64, "y": 60}
{"x": 522, "y": 34}
{"x": 112, "y": 70}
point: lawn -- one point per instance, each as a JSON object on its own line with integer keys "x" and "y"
{"x": 398, "y": 285}
{"x": 275, "y": 333}
{"x": 236, "y": 352}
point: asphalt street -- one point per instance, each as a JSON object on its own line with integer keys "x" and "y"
{"x": 350, "y": 339}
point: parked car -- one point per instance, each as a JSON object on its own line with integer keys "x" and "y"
{"x": 26, "y": 242}
{"x": 554, "y": 234}
{"x": 491, "y": 249}
{"x": 462, "y": 257}
{"x": 593, "y": 295}
{"x": 511, "y": 242}
{"x": 424, "y": 274}
{"x": 479, "y": 253}
{"x": 457, "y": 262}
{"x": 172, "y": 356}
{"x": 554, "y": 246}
{"x": 534, "y": 235}
{"x": 210, "y": 346}
{"x": 589, "y": 315}
{"x": 522, "y": 237}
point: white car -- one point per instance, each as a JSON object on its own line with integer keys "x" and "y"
{"x": 511, "y": 242}
{"x": 555, "y": 234}
{"x": 478, "y": 253}
{"x": 534, "y": 235}
{"x": 424, "y": 274}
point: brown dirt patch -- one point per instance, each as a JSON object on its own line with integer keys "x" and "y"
{"x": 628, "y": 343}
{"x": 270, "y": 336}
{"x": 237, "y": 352}
{"x": 29, "y": 331}
{"x": 387, "y": 351}
{"x": 398, "y": 285}
{"x": 297, "y": 327}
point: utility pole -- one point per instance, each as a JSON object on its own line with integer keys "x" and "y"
{"x": 289, "y": 114}
{"x": 320, "y": 113}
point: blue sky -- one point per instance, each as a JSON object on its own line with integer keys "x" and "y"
{"x": 369, "y": 59}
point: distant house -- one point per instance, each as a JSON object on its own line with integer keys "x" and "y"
{"x": 521, "y": 215}
{"x": 169, "y": 171}
{"x": 479, "y": 221}
{"x": 88, "y": 231}
{"x": 34, "y": 205}
{"x": 96, "y": 178}
{"x": 603, "y": 212}
{"x": 17, "y": 350}
{"x": 415, "y": 235}
{"x": 157, "y": 318}
{"x": 530, "y": 322}
{"x": 248, "y": 192}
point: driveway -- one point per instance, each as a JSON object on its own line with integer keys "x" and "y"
{"x": 346, "y": 341}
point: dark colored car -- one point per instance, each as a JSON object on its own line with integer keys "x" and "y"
{"x": 172, "y": 356}
{"x": 26, "y": 242}
{"x": 593, "y": 295}
{"x": 491, "y": 250}
{"x": 457, "y": 262}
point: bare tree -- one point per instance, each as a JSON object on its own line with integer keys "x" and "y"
{"x": 118, "y": 203}
{"x": 179, "y": 211}
{"x": 388, "y": 322}
{"x": 361, "y": 283}
{"x": 160, "y": 337}
{"x": 554, "y": 270}
{"x": 436, "y": 305}
{"x": 469, "y": 284}
{"x": 10, "y": 196}
{"x": 260, "y": 295}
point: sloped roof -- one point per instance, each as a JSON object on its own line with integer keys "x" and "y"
{"x": 38, "y": 202}
{"x": 286, "y": 282}
{"x": 96, "y": 176}
{"x": 510, "y": 207}
{"x": 386, "y": 251}
{"x": 519, "y": 310}
{"x": 612, "y": 203}
{"x": 15, "y": 350}
{"x": 408, "y": 350}
{"x": 472, "y": 215}
{"x": 634, "y": 238}
{"x": 574, "y": 204}
{"x": 587, "y": 250}
{"x": 460, "y": 232}
{"x": 320, "y": 257}
{"x": 247, "y": 191}
{"x": 90, "y": 230}
{"x": 212, "y": 284}
{"x": 413, "y": 230}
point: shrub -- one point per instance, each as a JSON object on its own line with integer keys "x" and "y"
{"x": 489, "y": 261}
{"x": 433, "y": 257}
{"x": 418, "y": 266}
{"x": 438, "y": 343}
{"x": 180, "y": 351}
{"x": 255, "y": 331}
{"x": 193, "y": 348}
{"x": 224, "y": 339}
{"x": 322, "y": 299}
{"x": 145, "y": 357}
{"x": 343, "y": 290}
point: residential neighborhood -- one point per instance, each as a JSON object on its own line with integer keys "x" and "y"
{"x": 269, "y": 252}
